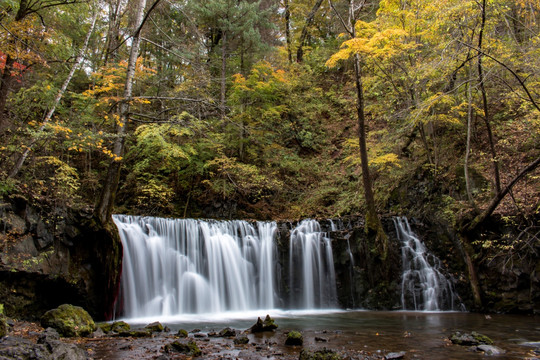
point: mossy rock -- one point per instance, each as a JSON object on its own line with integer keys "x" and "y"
{"x": 117, "y": 327}
{"x": 324, "y": 354}
{"x": 241, "y": 340}
{"x": 294, "y": 338}
{"x": 69, "y": 321}
{"x": 190, "y": 348}
{"x": 137, "y": 333}
{"x": 182, "y": 333}
{"x": 4, "y": 327}
{"x": 154, "y": 327}
{"x": 227, "y": 332}
{"x": 473, "y": 338}
{"x": 267, "y": 325}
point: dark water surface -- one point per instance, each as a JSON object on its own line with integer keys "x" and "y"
{"x": 423, "y": 335}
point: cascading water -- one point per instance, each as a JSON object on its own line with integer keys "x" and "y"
{"x": 423, "y": 286}
{"x": 312, "y": 275}
{"x": 186, "y": 266}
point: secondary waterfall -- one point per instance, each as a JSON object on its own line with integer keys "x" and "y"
{"x": 423, "y": 286}
{"x": 312, "y": 275}
{"x": 186, "y": 266}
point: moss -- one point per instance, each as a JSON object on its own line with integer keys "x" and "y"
{"x": 227, "y": 332}
{"x": 267, "y": 325}
{"x": 69, "y": 321}
{"x": 294, "y": 338}
{"x": 117, "y": 327}
{"x": 324, "y": 354}
{"x": 3, "y": 326}
{"x": 182, "y": 333}
{"x": 138, "y": 333}
{"x": 154, "y": 327}
{"x": 190, "y": 348}
{"x": 241, "y": 340}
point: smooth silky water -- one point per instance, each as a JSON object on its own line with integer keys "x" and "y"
{"x": 207, "y": 275}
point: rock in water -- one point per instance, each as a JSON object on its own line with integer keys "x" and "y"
{"x": 190, "y": 348}
{"x": 324, "y": 354}
{"x": 490, "y": 350}
{"x": 154, "y": 327}
{"x": 241, "y": 340}
{"x": 267, "y": 325}
{"x": 473, "y": 338}
{"x": 395, "y": 355}
{"x": 227, "y": 332}
{"x": 294, "y": 338}
{"x": 69, "y": 321}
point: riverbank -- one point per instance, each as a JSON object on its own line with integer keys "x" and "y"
{"x": 365, "y": 335}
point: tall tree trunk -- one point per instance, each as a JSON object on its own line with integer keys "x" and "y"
{"x": 481, "y": 81}
{"x": 57, "y": 99}
{"x": 304, "y": 34}
{"x": 288, "y": 30}
{"x": 223, "y": 74}
{"x": 5, "y": 87}
{"x": 113, "y": 32}
{"x": 468, "y": 142}
{"x": 105, "y": 205}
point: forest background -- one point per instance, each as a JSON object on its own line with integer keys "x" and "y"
{"x": 251, "y": 109}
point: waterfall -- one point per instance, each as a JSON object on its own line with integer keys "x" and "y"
{"x": 186, "y": 266}
{"x": 312, "y": 277}
{"x": 423, "y": 286}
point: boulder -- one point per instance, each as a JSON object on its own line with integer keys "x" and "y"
{"x": 69, "y": 321}
{"x": 241, "y": 340}
{"x": 324, "y": 354}
{"x": 116, "y": 327}
{"x": 267, "y": 325}
{"x": 227, "y": 332}
{"x": 189, "y": 348}
{"x": 294, "y": 338}
{"x": 154, "y": 327}
{"x": 182, "y": 333}
{"x": 471, "y": 339}
{"x": 490, "y": 350}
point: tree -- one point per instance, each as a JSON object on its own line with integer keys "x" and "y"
{"x": 105, "y": 205}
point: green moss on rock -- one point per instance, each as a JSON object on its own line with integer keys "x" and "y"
{"x": 182, "y": 333}
{"x": 117, "y": 327}
{"x": 4, "y": 327}
{"x": 324, "y": 354}
{"x": 154, "y": 327}
{"x": 190, "y": 348}
{"x": 241, "y": 340}
{"x": 69, "y": 321}
{"x": 294, "y": 338}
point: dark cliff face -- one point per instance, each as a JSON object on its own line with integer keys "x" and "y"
{"x": 53, "y": 258}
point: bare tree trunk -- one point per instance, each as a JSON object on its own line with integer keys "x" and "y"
{"x": 468, "y": 143}
{"x": 303, "y": 36}
{"x": 108, "y": 193}
{"x": 113, "y": 33}
{"x": 57, "y": 99}
{"x": 5, "y": 87}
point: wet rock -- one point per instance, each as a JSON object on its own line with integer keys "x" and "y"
{"x": 116, "y": 327}
{"x": 294, "y": 338}
{"x": 241, "y": 340}
{"x": 227, "y": 332}
{"x": 182, "y": 333}
{"x": 267, "y": 325}
{"x": 154, "y": 327}
{"x": 490, "y": 350}
{"x": 473, "y": 338}
{"x": 320, "y": 339}
{"x": 138, "y": 333}
{"x": 190, "y": 348}
{"x": 13, "y": 347}
{"x": 58, "y": 349}
{"x": 395, "y": 355}
{"x": 324, "y": 354}
{"x": 199, "y": 335}
{"x": 69, "y": 321}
